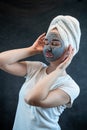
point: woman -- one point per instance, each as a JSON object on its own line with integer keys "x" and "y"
{"x": 47, "y": 90}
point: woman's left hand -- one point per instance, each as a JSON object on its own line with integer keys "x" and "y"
{"x": 66, "y": 58}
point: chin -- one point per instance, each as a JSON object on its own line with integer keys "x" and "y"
{"x": 55, "y": 62}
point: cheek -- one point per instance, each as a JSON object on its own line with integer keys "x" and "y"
{"x": 44, "y": 50}
{"x": 55, "y": 51}
{"x": 58, "y": 51}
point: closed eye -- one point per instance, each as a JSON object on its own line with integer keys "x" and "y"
{"x": 56, "y": 43}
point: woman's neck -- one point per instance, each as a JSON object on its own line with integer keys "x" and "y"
{"x": 52, "y": 68}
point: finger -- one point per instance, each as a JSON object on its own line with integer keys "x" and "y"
{"x": 70, "y": 56}
{"x": 67, "y": 60}
{"x": 65, "y": 63}
{"x": 71, "y": 48}
{"x": 70, "y": 51}
{"x": 42, "y": 35}
{"x": 64, "y": 55}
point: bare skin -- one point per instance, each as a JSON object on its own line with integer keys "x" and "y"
{"x": 41, "y": 95}
{"x": 10, "y": 62}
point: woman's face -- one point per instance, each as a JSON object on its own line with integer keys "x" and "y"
{"x": 54, "y": 46}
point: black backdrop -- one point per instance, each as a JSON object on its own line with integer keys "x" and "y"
{"x": 21, "y": 22}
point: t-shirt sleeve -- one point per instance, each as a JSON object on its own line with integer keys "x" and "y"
{"x": 73, "y": 90}
{"x": 32, "y": 68}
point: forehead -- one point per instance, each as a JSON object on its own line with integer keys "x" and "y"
{"x": 53, "y": 34}
{"x": 54, "y": 30}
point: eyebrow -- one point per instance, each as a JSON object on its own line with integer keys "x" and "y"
{"x": 53, "y": 39}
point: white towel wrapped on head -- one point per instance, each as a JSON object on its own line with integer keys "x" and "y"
{"x": 69, "y": 30}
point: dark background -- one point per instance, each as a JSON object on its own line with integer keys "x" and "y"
{"x": 21, "y": 22}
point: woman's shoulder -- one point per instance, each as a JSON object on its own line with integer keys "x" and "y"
{"x": 34, "y": 66}
{"x": 72, "y": 81}
{"x": 71, "y": 88}
{"x": 72, "y": 85}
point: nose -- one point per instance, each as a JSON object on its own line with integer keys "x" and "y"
{"x": 49, "y": 49}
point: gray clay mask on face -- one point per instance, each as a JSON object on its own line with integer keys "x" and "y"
{"x": 54, "y": 47}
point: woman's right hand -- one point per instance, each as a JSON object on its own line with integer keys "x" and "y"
{"x": 39, "y": 43}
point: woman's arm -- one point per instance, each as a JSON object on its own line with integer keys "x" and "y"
{"x": 10, "y": 60}
{"x": 40, "y": 95}
{"x": 13, "y": 56}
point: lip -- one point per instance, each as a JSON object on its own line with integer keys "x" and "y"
{"x": 49, "y": 54}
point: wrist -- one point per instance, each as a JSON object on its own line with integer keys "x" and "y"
{"x": 36, "y": 50}
{"x": 32, "y": 50}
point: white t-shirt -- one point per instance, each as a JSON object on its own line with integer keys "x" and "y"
{"x": 37, "y": 118}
